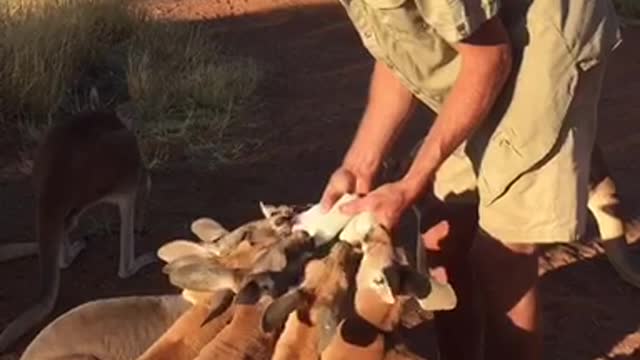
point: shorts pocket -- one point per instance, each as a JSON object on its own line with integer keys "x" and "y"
{"x": 530, "y": 113}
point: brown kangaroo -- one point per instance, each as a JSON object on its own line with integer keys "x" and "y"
{"x": 88, "y": 159}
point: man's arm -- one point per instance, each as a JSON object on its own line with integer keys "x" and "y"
{"x": 485, "y": 67}
{"x": 389, "y": 106}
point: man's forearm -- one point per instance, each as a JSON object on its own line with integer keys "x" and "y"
{"x": 482, "y": 75}
{"x": 389, "y": 106}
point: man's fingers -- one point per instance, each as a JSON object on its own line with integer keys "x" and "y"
{"x": 362, "y": 187}
{"x": 329, "y": 198}
{"x": 434, "y": 236}
{"x": 340, "y": 183}
{"x": 353, "y": 207}
{"x": 440, "y": 274}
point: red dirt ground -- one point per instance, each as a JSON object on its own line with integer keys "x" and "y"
{"x": 314, "y": 96}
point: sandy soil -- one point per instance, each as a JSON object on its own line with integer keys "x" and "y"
{"x": 314, "y": 96}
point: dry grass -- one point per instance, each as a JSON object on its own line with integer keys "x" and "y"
{"x": 184, "y": 86}
{"x": 628, "y": 8}
{"x": 45, "y": 44}
{"x": 187, "y": 94}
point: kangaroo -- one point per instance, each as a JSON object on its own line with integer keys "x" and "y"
{"x": 88, "y": 159}
{"x": 115, "y": 328}
{"x": 614, "y": 231}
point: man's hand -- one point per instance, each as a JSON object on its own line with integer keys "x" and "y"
{"x": 390, "y": 105}
{"x": 345, "y": 181}
{"x": 388, "y": 202}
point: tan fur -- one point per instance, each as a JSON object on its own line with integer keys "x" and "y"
{"x": 107, "y": 329}
{"x": 275, "y": 228}
{"x": 242, "y": 338}
{"x": 604, "y": 204}
{"x": 378, "y": 254}
{"x": 230, "y": 260}
{"x": 298, "y": 340}
{"x": 186, "y": 336}
{"x": 90, "y": 159}
{"x": 372, "y": 318}
{"x": 327, "y": 282}
{"x": 376, "y": 310}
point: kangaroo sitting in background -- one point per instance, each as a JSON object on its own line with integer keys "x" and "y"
{"x": 90, "y": 158}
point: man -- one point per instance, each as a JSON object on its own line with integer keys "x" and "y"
{"x": 515, "y": 86}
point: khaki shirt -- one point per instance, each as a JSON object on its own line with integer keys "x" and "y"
{"x": 553, "y": 41}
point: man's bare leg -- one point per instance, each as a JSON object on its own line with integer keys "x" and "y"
{"x": 506, "y": 281}
{"x": 458, "y": 331}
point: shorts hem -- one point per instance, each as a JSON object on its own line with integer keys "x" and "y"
{"x": 518, "y": 236}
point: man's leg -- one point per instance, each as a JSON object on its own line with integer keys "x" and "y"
{"x": 458, "y": 331}
{"x": 455, "y": 199}
{"x": 545, "y": 205}
{"x": 506, "y": 283}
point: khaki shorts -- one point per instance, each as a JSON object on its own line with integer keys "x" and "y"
{"x": 549, "y": 202}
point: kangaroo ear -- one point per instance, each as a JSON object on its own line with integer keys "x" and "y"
{"x": 440, "y": 297}
{"x": 276, "y": 313}
{"x": 182, "y": 261}
{"x": 267, "y": 210}
{"x": 176, "y": 249}
{"x": 195, "y": 296}
{"x": 225, "y": 299}
{"x": 327, "y": 323}
{"x": 413, "y": 283}
{"x": 396, "y": 280}
{"x": 272, "y": 260}
{"x": 202, "y": 276}
{"x": 249, "y": 294}
{"x": 430, "y": 294}
{"x": 383, "y": 282}
{"x": 207, "y": 229}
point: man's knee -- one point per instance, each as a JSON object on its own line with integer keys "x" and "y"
{"x": 506, "y": 273}
{"x": 521, "y": 249}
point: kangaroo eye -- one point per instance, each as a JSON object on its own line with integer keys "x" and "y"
{"x": 379, "y": 280}
{"x": 279, "y": 221}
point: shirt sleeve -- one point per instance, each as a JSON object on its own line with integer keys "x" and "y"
{"x": 455, "y": 20}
